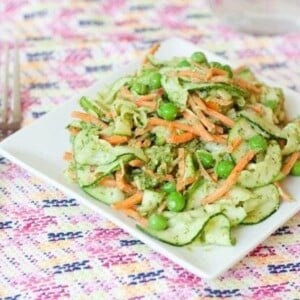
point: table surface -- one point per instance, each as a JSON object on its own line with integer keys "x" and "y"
{"x": 52, "y": 247}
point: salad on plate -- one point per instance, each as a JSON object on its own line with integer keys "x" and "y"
{"x": 187, "y": 147}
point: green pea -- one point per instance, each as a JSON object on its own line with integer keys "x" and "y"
{"x": 296, "y": 169}
{"x": 175, "y": 201}
{"x": 155, "y": 81}
{"x": 169, "y": 187}
{"x": 206, "y": 159}
{"x": 184, "y": 63}
{"x": 168, "y": 111}
{"x": 157, "y": 222}
{"x": 215, "y": 64}
{"x": 199, "y": 57}
{"x": 140, "y": 88}
{"x": 224, "y": 168}
{"x": 258, "y": 142}
{"x": 228, "y": 69}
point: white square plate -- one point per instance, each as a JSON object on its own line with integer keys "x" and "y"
{"x": 40, "y": 146}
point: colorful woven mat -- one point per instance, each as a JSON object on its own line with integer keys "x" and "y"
{"x": 52, "y": 247}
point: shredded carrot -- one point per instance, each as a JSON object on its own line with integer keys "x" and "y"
{"x": 129, "y": 202}
{"x": 145, "y": 103}
{"x": 146, "y": 143}
{"x": 197, "y": 129}
{"x": 122, "y": 184}
{"x": 68, "y": 156}
{"x": 135, "y": 215}
{"x": 108, "y": 181}
{"x": 181, "y": 169}
{"x": 245, "y": 84}
{"x": 289, "y": 163}
{"x": 220, "y": 78}
{"x": 151, "y": 51}
{"x": 219, "y": 129}
{"x": 125, "y": 93}
{"x": 195, "y": 76}
{"x": 234, "y": 144}
{"x": 87, "y": 118}
{"x": 181, "y": 138}
{"x": 136, "y": 163}
{"x": 73, "y": 130}
{"x": 206, "y": 122}
{"x": 116, "y": 139}
{"x": 256, "y": 108}
{"x": 283, "y": 193}
{"x": 188, "y": 115}
{"x": 151, "y": 96}
{"x": 168, "y": 177}
{"x": 231, "y": 179}
{"x": 213, "y": 105}
{"x": 220, "y": 138}
{"x": 214, "y": 72}
{"x": 222, "y": 118}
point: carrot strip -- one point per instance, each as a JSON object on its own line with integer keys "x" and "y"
{"x": 136, "y": 163}
{"x": 222, "y": 118}
{"x": 220, "y": 78}
{"x": 197, "y": 130}
{"x": 191, "y": 74}
{"x": 213, "y": 72}
{"x": 122, "y": 184}
{"x": 146, "y": 103}
{"x": 109, "y": 182}
{"x": 116, "y": 139}
{"x": 220, "y": 138}
{"x": 87, "y": 118}
{"x": 283, "y": 193}
{"x": 239, "y": 69}
{"x": 246, "y": 85}
{"x": 234, "y": 145}
{"x": 68, "y": 156}
{"x": 73, "y": 130}
{"x": 181, "y": 138}
{"x": 129, "y": 202}
{"x": 207, "y": 123}
{"x": 151, "y": 51}
{"x": 289, "y": 163}
{"x": 256, "y": 108}
{"x": 135, "y": 215}
{"x": 188, "y": 115}
{"x": 125, "y": 92}
{"x": 151, "y": 96}
{"x": 231, "y": 179}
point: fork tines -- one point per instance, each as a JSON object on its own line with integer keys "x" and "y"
{"x": 10, "y": 105}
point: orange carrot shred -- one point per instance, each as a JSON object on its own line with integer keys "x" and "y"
{"x": 151, "y": 51}
{"x": 122, "y": 184}
{"x": 283, "y": 193}
{"x": 231, "y": 179}
{"x": 234, "y": 145}
{"x": 129, "y": 202}
{"x": 68, "y": 156}
{"x": 289, "y": 163}
{"x": 87, "y": 118}
{"x": 109, "y": 182}
{"x": 136, "y": 163}
{"x": 146, "y": 103}
{"x": 73, "y": 130}
{"x": 135, "y": 215}
{"x": 181, "y": 138}
{"x": 116, "y": 139}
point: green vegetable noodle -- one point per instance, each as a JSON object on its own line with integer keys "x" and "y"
{"x": 189, "y": 148}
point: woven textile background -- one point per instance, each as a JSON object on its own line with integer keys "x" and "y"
{"x": 52, "y": 247}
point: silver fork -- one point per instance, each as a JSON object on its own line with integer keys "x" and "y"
{"x": 10, "y": 104}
